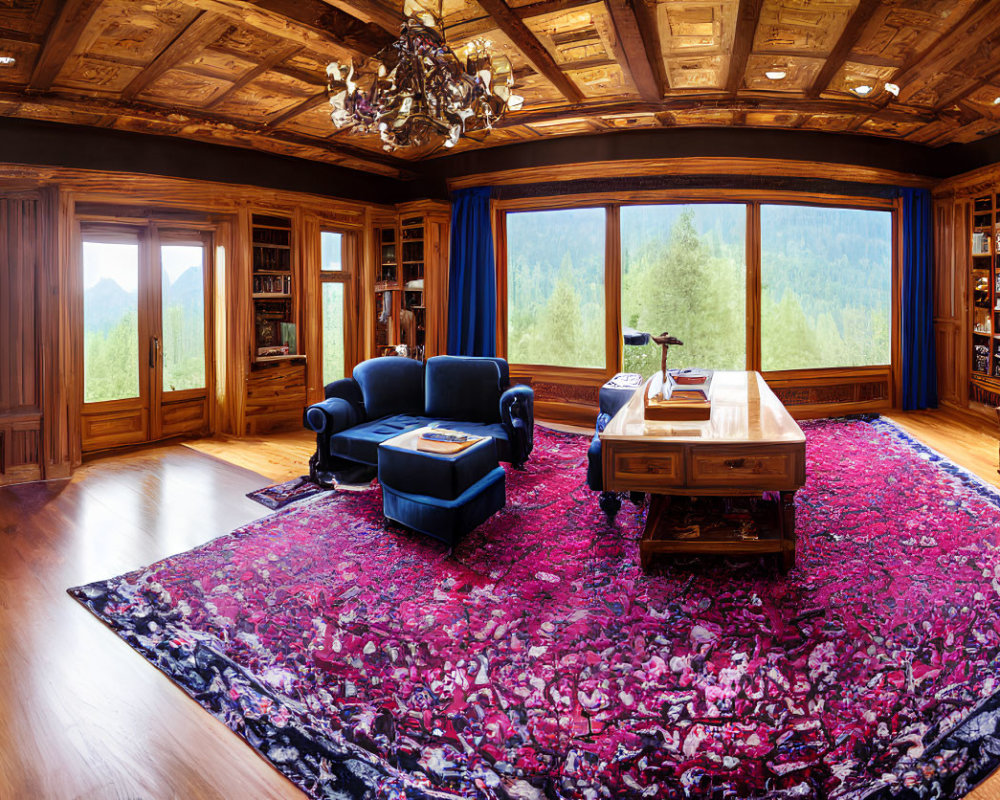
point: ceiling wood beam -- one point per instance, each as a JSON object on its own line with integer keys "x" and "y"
{"x": 61, "y": 40}
{"x": 842, "y": 49}
{"x": 962, "y": 37}
{"x": 388, "y": 19}
{"x": 981, "y": 22}
{"x": 364, "y": 36}
{"x": 225, "y": 127}
{"x": 525, "y": 41}
{"x": 203, "y": 30}
{"x": 320, "y": 40}
{"x": 470, "y": 28}
{"x": 276, "y": 57}
{"x": 301, "y": 108}
{"x": 961, "y": 94}
{"x": 635, "y": 57}
{"x": 719, "y": 101}
{"x": 747, "y": 18}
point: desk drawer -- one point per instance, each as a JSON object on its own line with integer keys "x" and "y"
{"x": 739, "y": 468}
{"x": 642, "y": 469}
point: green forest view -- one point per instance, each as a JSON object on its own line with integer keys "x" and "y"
{"x": 825, "y": 286}
{"x": 331, "y": 251}
{"x": 111, "y": 320}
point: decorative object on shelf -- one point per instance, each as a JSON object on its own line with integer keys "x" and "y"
{"x": 417, "y": 89}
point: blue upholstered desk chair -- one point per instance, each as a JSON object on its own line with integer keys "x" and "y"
{"x": 612, "y": 396}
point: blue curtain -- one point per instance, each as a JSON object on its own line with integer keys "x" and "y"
{"x": 472, "y": 284}
{"x": 919, "y": 361}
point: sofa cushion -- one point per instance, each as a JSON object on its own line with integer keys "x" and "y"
{"x": 463, "y": 388}
{"x": 494, "y": 429}
{"x": 391, "y": 385}
{"x": 361, "y": 442}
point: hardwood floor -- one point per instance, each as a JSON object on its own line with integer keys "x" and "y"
{"x": 279, "y": 456}
{"x": 84, "y": 716}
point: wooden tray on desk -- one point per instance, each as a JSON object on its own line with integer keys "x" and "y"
{"x": 659, "y": 410}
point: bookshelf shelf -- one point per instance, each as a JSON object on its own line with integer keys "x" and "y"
{"x": 272, "y": 289}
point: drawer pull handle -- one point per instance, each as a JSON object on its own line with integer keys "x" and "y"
{"x": 735, "y": 463}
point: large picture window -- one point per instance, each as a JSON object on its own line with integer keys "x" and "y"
{"x": 555, "y": 287}
{"x": 692, "y": 268}
{"x": 826, "y": 281}
{"x": 684, "y": 271}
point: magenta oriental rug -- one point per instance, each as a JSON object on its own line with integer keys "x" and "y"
{"x": 537, "y": 660}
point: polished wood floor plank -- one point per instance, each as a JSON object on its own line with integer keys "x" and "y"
{"x": 970, "y": 440}
{"x": 83, "y": 716}
{"x": 279, "y": 456}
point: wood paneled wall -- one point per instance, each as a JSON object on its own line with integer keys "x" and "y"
{"x": 41, "y": 301}
{"x": 34, "y": 434}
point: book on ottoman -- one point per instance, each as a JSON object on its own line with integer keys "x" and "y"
{"x": 442, "y": 440}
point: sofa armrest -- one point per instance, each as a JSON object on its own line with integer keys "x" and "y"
{"x": 517, "y": 415}
{"x": 346, "y": 389}
{"x": 331, "y": 416}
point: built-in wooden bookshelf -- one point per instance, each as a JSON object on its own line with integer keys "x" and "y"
{"x": 984, "y": 287}
{"x": 409, "y": 280}
{"x": 275, "y": 334}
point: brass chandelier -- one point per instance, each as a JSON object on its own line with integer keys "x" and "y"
{"x": 416, "y": 89}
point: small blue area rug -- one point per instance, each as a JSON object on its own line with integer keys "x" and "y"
{"x": 281, "y": 494}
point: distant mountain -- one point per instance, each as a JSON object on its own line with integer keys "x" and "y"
{"x": 187, "y": 291}
{"x": 105, "y": 303}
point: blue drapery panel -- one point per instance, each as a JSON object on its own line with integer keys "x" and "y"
{"x": 919, "y": 361}
{"x": 472, "y": 284}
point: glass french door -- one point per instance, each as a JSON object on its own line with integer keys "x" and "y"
{"x": 146, "y": 344}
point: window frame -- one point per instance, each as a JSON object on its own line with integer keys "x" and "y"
{"x": 612, "y": 279}
{"x": 753, "y": 200}
{"x": 345, "y": 277}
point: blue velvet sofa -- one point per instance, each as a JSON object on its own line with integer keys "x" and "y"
{"x": 391, "y": 395}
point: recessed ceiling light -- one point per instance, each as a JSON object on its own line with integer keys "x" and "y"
{"x": 996, "y": 101}
{"x": 892, "y": 89}
{"x": 775, "y": 74}
{"x": 7, "y": 60}
{"x": 862, "y": 91}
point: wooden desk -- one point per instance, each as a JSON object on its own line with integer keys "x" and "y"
{"x": 750, "y": 445}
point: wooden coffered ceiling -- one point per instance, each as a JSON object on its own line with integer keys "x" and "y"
{"x": 251, "y": 73}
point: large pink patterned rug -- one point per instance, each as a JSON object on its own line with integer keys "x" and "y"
{"x": 538, "y": 660}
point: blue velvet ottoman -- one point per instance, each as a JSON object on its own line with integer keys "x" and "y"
{"x": 444, "y": 496}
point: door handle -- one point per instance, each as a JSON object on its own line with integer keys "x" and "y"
{"x": 154, "y": 346}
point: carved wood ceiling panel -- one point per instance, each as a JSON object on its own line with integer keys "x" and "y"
{"x": 251, "y": 73}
